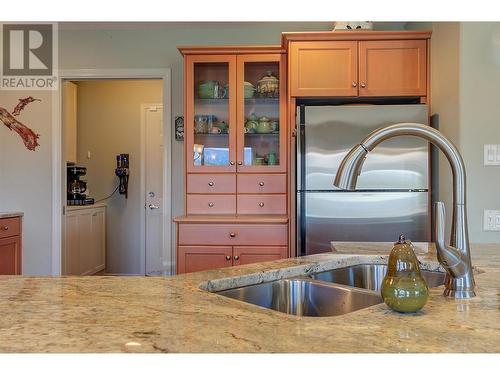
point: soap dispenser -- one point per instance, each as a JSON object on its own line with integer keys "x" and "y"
{"x": 403, "y": 288}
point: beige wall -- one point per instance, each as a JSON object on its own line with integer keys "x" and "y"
{"x": 480, "y": 119}
{"x": 26, "y": 179}
{"x": 465, "y": 64}
{"x": 109, "y": 123}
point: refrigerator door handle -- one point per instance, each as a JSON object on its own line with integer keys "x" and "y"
{"x": 300, "y": 141}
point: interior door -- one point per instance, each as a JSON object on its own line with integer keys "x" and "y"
{"x": 156, "y": 260}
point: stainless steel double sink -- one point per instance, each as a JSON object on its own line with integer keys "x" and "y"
{"x": 334, "y": 292}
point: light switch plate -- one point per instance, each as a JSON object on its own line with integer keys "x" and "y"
{"x": 491, "y": 221}
{"x": 491, "y": 155}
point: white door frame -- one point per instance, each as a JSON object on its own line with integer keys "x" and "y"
{"x": 59, "y": 170}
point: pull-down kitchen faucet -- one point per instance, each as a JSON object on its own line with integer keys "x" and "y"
{"x": 455, "y": 258}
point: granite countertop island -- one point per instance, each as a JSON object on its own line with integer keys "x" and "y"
{"x": 172, "y": 314}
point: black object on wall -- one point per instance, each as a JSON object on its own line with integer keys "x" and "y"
{"x": 122, "y": 171}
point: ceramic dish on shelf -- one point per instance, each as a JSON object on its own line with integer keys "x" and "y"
{"x": 268, "y": 86}
{"x": 249, "y": 90}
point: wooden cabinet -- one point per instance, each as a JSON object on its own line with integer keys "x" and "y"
{"x": 358, "y": 64}
{"x": 236, "y": 157}
{"x": 70, "y": 120}
{"x": 233, "y": 122}
{"x": 393, "y": 68}
{"x": 10, "y": 246}
{"x": 201, "y": 258}
{"x": 85, "y": 240}
{"x": 207, "y": 242}
{"x": 324, "y": 68}
{"x": 254, "y": 254}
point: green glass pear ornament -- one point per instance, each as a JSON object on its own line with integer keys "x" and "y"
{"x": 403, "y": 288}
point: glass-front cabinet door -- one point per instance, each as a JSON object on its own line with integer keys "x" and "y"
{"x": 261, "y": 118}
{"x": 210, "y": 123}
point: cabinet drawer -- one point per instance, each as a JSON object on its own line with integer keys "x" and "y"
{"x": 262, "y": 204}
{"x": 211, "y": 184}
{"x": 10, "y": 227}
{"x": 233, "y": 234}
{"x": 211, "y": 204}
{"x": 263, "y": 184}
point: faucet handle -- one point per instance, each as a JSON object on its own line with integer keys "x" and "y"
{"x": 449, "y": 256}
{"x": 440, "y": 222}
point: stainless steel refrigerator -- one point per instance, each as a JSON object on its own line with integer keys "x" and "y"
{"x": 392, "y": 194}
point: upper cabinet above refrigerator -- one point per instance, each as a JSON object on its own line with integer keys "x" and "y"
{"x": 358, "y": 64}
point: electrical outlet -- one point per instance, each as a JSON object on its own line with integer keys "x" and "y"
{"x": 491, "y": 221}
{"x": 491, "y": 155}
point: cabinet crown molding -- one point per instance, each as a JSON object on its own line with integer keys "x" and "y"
{"x": 352, "y": 35}
{"x": 223, "y": 50}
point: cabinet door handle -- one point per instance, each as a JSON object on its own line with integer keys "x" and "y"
{"x": 228, "y": 257}
{"x": 211, "y": 183}
{"x": 210, "y": 204}
{"x": 261, "y": 183}
{"x": 236, "y": 257}
{"x": 261, "y": 204}
{"x": 232, "y": 234}
{"x": 231, "y": 163}
{"x": 5, "y": 228}
{"x": 363, "y": 85}
{"x": 354, "y": 84}
{"x": 240, "y": 163}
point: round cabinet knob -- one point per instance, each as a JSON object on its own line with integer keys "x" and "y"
{"x": 236, "y": 257}
{"x": 228, "y": 257}
{"x": 210, "y": 204}
{"x": 5, "y": 228}
{"x": 232, "y": 234}
{"x": 231, "y": 163}
{"x": 354, "y": 84}
{"x": 240, "y": 163}
{"x": 363, "y": 85}
{"x": 261, "y": 183}
{"x": 261, "y": 204}
{"x": 211, "y": 183}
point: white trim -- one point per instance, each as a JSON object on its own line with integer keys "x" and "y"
{"x": 142, "y": 237}
{"x": 58, "y": 170}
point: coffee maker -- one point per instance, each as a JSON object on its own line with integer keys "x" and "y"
{"x": 76, "y": 188}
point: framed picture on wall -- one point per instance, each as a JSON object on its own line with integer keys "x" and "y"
{"x": 179, "y": 128}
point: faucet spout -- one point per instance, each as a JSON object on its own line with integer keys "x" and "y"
{"x": 455, "y": 258}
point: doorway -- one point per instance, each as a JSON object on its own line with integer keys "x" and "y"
{"x": 137, "y": 226}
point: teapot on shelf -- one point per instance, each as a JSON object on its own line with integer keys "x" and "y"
{"x": 268, "y": 86}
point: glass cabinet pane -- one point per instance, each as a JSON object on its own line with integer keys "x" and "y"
{"x": 262, "y": 114}
{"x": 211, "y": 114}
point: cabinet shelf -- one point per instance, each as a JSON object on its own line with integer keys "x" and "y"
{"x": 224, "y": 101}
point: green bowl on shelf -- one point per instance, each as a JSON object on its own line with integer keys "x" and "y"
{"x": 206, "y": 89}
{"x": 249, "y": 90}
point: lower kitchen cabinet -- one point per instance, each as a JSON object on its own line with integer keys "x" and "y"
{"x": 254, "y": 254}
{"x": 10, "y": 256}
{"x": 200, "y": 258}
{"x": 209, "y": 242}
{"x": 85, "y": 240}
{"x": 10, "y": 246}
